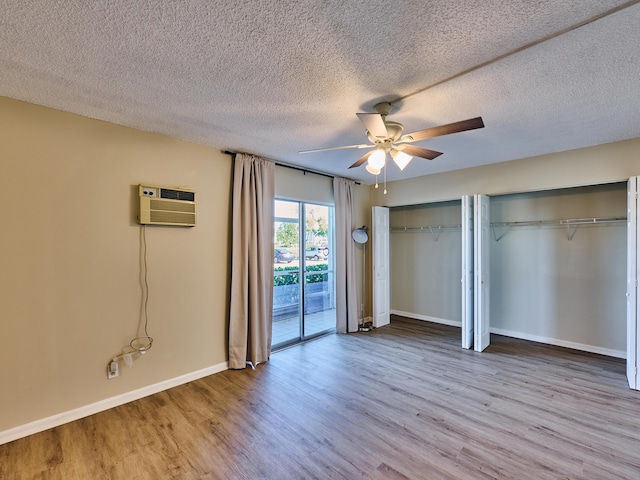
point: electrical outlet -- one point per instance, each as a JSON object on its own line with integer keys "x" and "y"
{"x": 112, "y": 370}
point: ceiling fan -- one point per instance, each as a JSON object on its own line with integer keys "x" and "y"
{"x": 386, "y": 137}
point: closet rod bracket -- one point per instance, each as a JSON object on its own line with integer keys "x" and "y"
{"x": 571, "y": 231}
{"x": 499, "y": 230}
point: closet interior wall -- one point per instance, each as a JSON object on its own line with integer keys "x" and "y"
{"x": 425, "y": 265}
{"x": 556, "y": 285}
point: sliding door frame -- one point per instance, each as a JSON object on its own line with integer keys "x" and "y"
{"x": 302, "y": 207}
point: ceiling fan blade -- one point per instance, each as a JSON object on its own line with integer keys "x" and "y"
{"x": 374, "y": 123}
{"x": 367, "y": 145}
{"x": 419, "y": 151}
{"x": 470, "y": 124}
{"x": 361, "y": 160}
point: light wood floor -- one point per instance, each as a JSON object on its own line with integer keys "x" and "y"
{"x": 404, "y": 401}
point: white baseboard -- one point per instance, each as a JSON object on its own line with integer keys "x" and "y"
{"x": 75, "y": 414}
{"x": 523, "y": 336}
{"x": 426, "y": 318}
{"x": 561, "y": 343}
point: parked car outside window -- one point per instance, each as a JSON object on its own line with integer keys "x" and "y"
{"x": 283, "y": 255}
{"x": 316, "y": 253}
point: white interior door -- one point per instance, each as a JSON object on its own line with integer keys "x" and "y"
{"x": 632, "y": 283}
{"x": 380, "y": 255}
{"x": 481, "y": 268}
{"x": 467, "y": 271}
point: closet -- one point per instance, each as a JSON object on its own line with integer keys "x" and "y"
{"x": 425, "y": 261}
{"x": 556, "y": 268}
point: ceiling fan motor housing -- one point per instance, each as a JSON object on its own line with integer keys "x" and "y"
{"x": 394, "y": 132}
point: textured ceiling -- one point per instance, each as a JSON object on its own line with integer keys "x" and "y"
{"x": 275, "y": 77}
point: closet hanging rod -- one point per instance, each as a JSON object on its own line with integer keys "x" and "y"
{"x": 526, "y": 223}
{"x": 500, "y": 228}
{"x": 424, "y": 228}
{"x": 570, "y": 221}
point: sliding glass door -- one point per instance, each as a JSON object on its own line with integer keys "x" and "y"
{"x": 304, "y": 287}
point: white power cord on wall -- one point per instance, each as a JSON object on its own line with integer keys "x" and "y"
{"x": 141, "y": 344}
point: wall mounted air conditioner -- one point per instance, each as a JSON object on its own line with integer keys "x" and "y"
{"x": 167, "y": 206}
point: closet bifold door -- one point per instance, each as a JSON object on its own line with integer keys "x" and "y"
{"x": 381, "y": 287}
{"x": 481, "y": 257}
{"x": 632, "y": 283}
{"x": 466, "y": 279}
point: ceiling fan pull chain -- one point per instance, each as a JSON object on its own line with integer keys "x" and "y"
{"x": 385, "y": 180}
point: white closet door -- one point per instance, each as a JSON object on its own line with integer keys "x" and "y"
{"x": 632, "y": 283}
{"x": 481, "y": 268}
{"x": 380, "y": 245}
{"x": 467, "y": 271}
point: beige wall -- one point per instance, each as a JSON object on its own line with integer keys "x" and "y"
{"x": 70, "y": 296}
{"x": 303, "y": 186}
{"x": 70, "y": 250}
{"x": 362, "y": 216}
{"x": 607, "y": 163}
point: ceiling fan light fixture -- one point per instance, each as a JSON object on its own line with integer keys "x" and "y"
{"x": 402, "y": 159}
{"x": 376, "y": 159}
{"x": 373, "y": 171}
{"x": 386, "y": 136}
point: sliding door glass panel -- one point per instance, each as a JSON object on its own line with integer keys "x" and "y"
{"x": 286, "y": 274}
{"x": 319, "y": 287}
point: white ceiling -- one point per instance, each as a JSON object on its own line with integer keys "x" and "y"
{"x": 275, "y": 77}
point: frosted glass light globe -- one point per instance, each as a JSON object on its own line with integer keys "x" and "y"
{"x": 401, "y": 158}
{"x": 376, "y": 159}
{"x": 373, "y": 171}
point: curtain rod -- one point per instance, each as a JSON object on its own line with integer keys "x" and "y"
{"x": 300, "y": 169}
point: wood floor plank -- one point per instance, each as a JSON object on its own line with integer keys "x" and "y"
{"x": 400, "y": 402}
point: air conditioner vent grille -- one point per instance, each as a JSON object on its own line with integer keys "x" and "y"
{"x": 175, "y": 218}
{"x": 177, "y": 194}
{"x": 172, "y": 206}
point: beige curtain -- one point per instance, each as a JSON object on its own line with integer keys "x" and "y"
{"x": 251, "y": 261}
{"x": 346, "y": 286}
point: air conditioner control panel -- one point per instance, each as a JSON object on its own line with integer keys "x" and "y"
{"x": 149, "y": 192}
